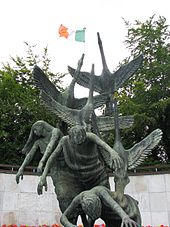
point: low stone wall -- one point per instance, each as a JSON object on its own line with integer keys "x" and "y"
{"x": 20, "y": 203}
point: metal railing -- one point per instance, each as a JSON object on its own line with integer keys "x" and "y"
{"x": 143, "y": 170}
{"x": 152, "y": 169}
{"x": 4, "y": 168}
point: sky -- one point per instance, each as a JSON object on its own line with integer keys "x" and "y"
{"x": 37, "y": 21}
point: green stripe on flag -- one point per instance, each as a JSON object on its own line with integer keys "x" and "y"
{"x": 80, "y": 35}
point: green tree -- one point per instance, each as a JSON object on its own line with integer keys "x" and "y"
{"x": 147, "y": 93}
{"x": 20, "y": 105}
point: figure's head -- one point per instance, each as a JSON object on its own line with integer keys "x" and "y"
{"x": 91, "y": 205}
{"x": 38, "y": 127}
{"x": 77, "y": 134}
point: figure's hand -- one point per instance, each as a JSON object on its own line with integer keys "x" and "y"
{"x": 65, "y": 222}
{"x": 41, "y": 184}
{"x": 127, "y": 221}
{"x": 117, "y": 162}
{"x": 19, "y": 175}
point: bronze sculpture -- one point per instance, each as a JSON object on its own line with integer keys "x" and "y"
{"x": 93, "y": 202}
{"x": 79, "y": 157}
{"x": 43, "y": 136}
{"x": 105, "y": 82}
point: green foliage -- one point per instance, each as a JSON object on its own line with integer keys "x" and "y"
{"x": 161, "y": 112}
{"x": 147, "y": 93}
{"x": 151, "y": 38}
{"x": 20, "y": 105}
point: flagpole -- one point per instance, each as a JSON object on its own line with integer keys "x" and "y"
{"x": 85, "y": 38}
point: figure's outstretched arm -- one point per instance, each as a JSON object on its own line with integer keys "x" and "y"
{"x": 26, "y": 161}
{"x": 107, "y": 199}
{"x": 111, "y": 157}
{"x": 56, "y": 135}
{"x": 71, "y": 212}
{"x": 52, "y": 157}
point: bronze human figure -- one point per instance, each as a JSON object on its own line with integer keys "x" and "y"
{"x": 82, "y": 167}
{"x": 94, "y": 203}
{"x": 75, "y": 154}
{"x": 42, "y": 136}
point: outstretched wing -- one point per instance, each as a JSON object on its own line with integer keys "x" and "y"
{"x": 70, "y": 116}
{"x": 98, "y": 101}
{"x": 126, "y": 71}
{"x": 43, "y": 83}
{"x": 84, "y": 79}
{"x": 106, "y": 124}
{"x": 121, "y": 75}
{"x": 141, "y": 150}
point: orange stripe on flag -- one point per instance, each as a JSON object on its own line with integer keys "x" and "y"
{"x": 63, "y": 31}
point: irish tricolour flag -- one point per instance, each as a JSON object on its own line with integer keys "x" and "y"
{"x": 77, "y": 35}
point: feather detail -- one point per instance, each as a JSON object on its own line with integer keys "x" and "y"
{"x": 71, "y": 116}
{"x": 126, "y": 71}
{"x": 43, "y": 83}
{"x": 141, "y": 150}
{"x": 68, "y": 115}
